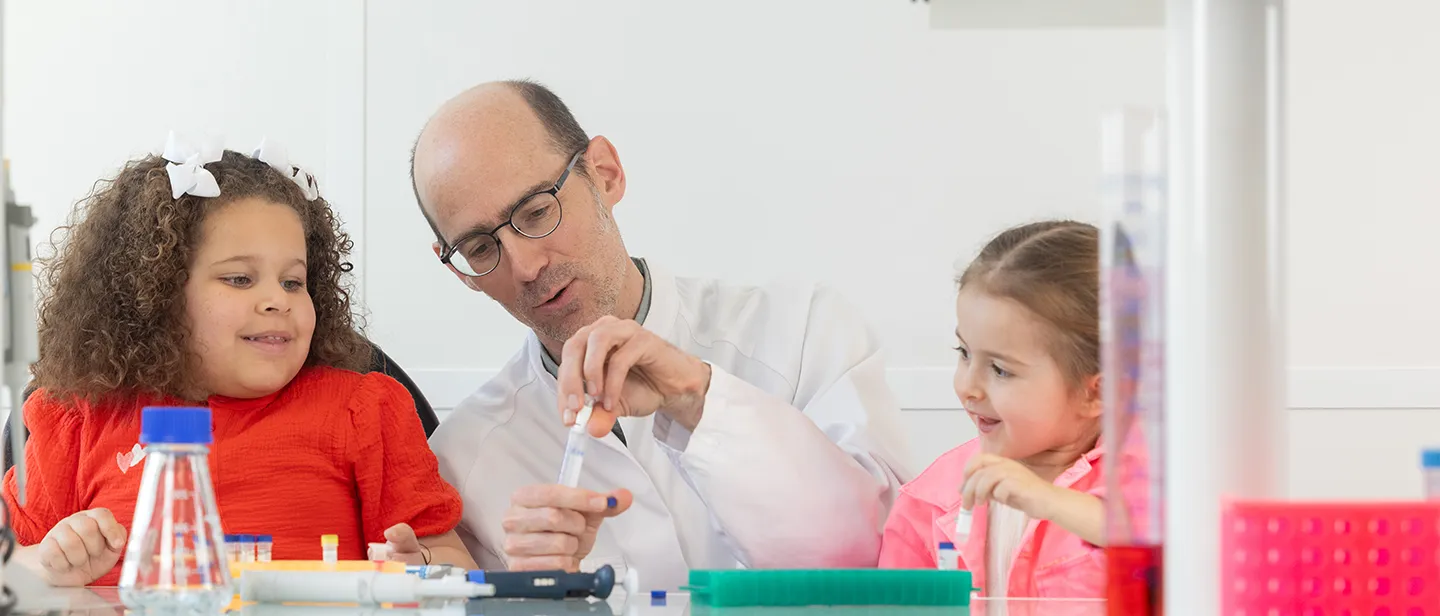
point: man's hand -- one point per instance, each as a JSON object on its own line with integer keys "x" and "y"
{"x": 81, "y": 548}
{"x": 630, "y": 372}
{"x": 553, "y": 527}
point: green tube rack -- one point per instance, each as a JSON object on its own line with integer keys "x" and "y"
{"x": 802, "y": 587}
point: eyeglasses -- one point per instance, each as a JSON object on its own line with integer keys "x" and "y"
{"x": 537, "y": 216}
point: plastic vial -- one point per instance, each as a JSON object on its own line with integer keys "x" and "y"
{"x": 247, "y": 548}
{"x": 948, "y": 559}
{"x": 232, "y": 548}
{"x": 378, "y": 552}
{"x": 174, "y": 560}
{"x": 264, "y": 546}
{"x": 1430, "y": 460}
{"x": 330, "y": 548}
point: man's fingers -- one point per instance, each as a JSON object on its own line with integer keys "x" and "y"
{"x": 616, "y": 503}
{"x": 546, "y": 520}
{"x": 560, "y": 497}
{"x": 617, "y": 369}
{"x": 602, "y": 341}
{"x": 570, "y": 382}
{"x": 541, "y": 544}
{"x": 601, "y": 422}
{"x": 544, "y": 563}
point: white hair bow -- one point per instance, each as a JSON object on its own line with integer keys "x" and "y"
{"x": 275, "y": 156}
{"x": 187, "y": 167}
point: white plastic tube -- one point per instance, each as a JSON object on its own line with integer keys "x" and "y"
{"x": 575, "y": 444}
{"x": 363, "y": 587}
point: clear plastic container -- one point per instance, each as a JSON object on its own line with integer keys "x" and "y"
{"x": 378, "y": 551}
{"x": 264, "y": 547}
{"x": 1430, "y": 461}
{"x": 247, "y": 548}
{"x": 330, "y": 548}
{"x": 175, "y": 561}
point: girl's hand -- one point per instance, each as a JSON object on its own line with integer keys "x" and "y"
{"x": 991, "y": 477}
{"x": 82, "y": 548}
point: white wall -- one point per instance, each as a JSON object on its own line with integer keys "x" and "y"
{"x": 1365, "y": 204}
{"x": 868, "y": 151}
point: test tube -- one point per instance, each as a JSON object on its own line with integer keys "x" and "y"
{"x": 264, "y": 546}
{"x": 378, "y": 551}
{"x": 232, "y": 548}
{"x": 947, "y": 558}
{"x": 1430, "y": 460}
{"x": 247, "y": 548}
{"x": 330, "y": 548}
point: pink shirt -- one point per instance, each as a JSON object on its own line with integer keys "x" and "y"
{"x": 1051, "y": 562}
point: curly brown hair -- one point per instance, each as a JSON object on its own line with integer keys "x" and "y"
{"x": 112, "y": 315}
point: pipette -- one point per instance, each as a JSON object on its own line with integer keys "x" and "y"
{"x": 363, "y": 587}
{"x": 575, "y": 446}
{"x": 555, "y": 584}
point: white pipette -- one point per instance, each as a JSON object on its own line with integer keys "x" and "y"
{"x": 963, "y": 520}
{"x": 575, "y": 446}
{"x": 364, "y": 587}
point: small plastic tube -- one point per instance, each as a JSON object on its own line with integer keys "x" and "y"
{"x": 264, "y": 547}
{"x": 575, "y": 441}
{"x": 247, "y": 548}
{"x": 963, "y": 521}
{"x": 232, "y": 548}
{"x": 330, "y": 548}
{"x": 948, "y": 559}
{"x": 1430, "y": 461}
{"x": 378, "y": 551}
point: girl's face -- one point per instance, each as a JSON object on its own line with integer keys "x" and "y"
{"x": 1013, "y": 388}
{"x": 249, "y": 313}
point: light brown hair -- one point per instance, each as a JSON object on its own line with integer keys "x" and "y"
{"x": 1051, "y": 268}
{"x": 111, "y": 314}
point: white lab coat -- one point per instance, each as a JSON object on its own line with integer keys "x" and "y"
{"x": 759, "y": 483}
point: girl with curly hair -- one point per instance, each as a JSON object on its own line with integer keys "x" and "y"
{"x": 218, "y": 280}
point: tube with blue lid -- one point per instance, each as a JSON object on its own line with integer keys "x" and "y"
{"x": 575, "y": 444}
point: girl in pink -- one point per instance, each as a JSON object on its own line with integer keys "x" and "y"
{"x": 1027, "y": 324}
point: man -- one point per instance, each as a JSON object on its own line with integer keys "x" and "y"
{"x": 737, "y": 426}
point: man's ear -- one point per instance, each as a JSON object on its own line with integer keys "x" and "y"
{"x": 605, "y": 171}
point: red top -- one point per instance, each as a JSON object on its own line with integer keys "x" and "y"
{"x": 334, "y": 452}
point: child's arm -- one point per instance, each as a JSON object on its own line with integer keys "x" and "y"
{"x": 991, "y": 477}
{"x": 1079, "y": 513}
{"x": 444, "y": 549}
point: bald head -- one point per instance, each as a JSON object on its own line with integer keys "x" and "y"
{"x": 481, "y": 133}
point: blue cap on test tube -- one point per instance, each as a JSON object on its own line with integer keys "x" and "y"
{"x": 1430, "y": 458}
